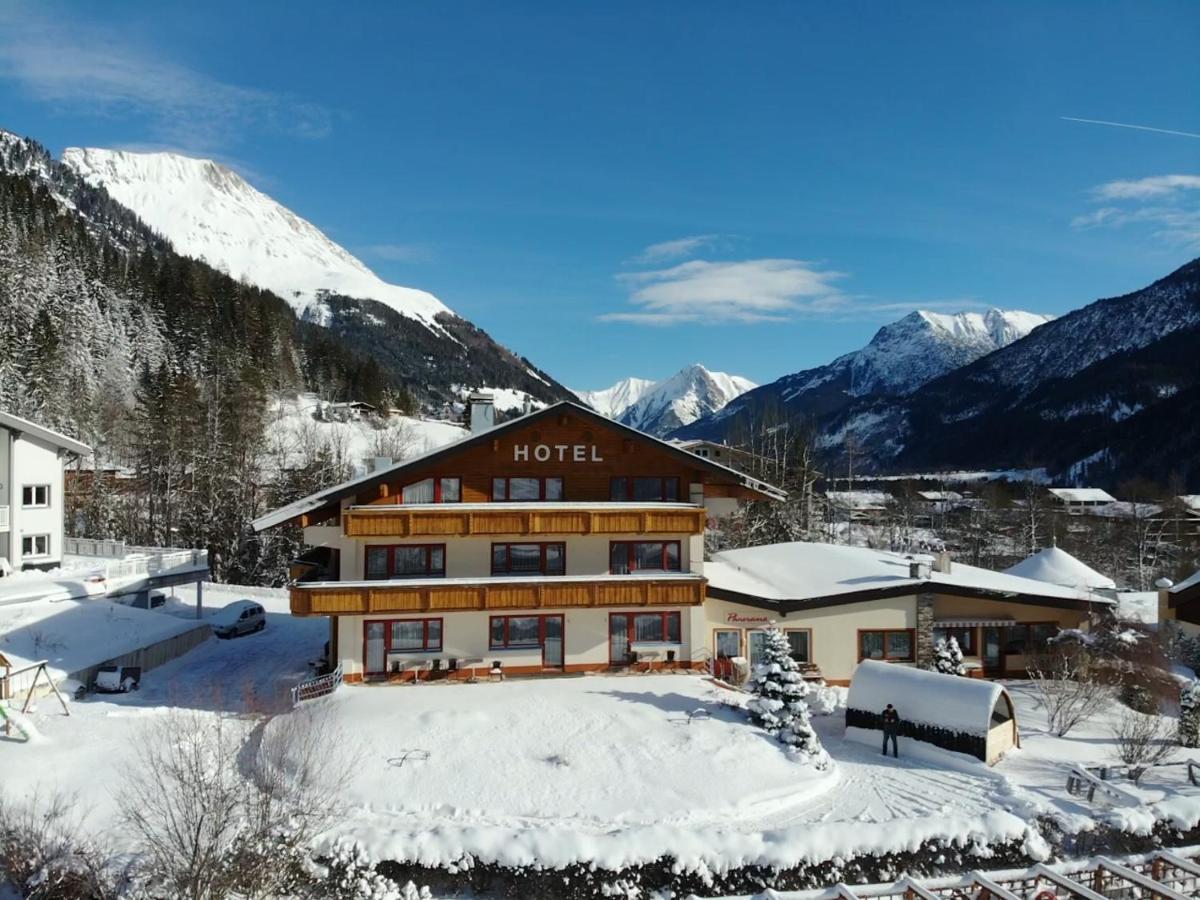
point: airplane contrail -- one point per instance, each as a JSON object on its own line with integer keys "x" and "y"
{"x": 1126, "y": 125}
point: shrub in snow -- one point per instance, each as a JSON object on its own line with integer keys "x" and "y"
{"x": 948, "y": 658}
{"x": 778, "y": 704}
{"x": 1189, "y": 714}
{"x": 1136, "y": 694}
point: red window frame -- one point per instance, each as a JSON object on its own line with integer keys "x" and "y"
{"x": 628, "y": 484}
{"x": 437, "y": 488}
{"x": 391, "y": 572}
{"x": 665, "y": 615}
{"x": 541, "y": 480}
{"x": 912, "y": 643}
{"x": 541, "y": 638}
{"x": 631, "y": 556}
{"x": 387, "y": 637}
{"x": 542, "y": 546}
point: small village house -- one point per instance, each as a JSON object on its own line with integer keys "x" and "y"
{"x": 868, "y": 507}
{"x": 31, "y": 492}
{"x": 1078, "y": 501}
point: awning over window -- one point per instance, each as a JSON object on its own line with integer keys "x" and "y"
{"x": 969, "y": 622}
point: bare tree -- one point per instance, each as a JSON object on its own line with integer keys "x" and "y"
{"x": 224, "y": 805}
{"x": 1142, "y": 741}
{"x": 44, "y": 855}
{"x": 1063, "y": 679}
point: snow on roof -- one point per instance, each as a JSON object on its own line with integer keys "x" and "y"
{"x": 337, "y": 492}
{"x": 860, "y": 499}
{"x": 15, "y": 423}
{"x": 1191, "y": 502}
{"x": 1083, "y": 495}
{"x": 939, "y": 495}
{"x": 1191, "y": 581}
{"x": 806, "y": 571}
{"x": 74, "y": 634}
{"x": 1054, "y": 565}
{"x": 929, "y": 698}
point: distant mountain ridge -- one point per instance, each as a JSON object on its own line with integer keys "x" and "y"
{"x": 660, "y": 407}
{"x": 899, "y": 359}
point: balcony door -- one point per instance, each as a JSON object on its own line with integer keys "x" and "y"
{"x": 552, "y": 642}
{"x": 376, "y": 648}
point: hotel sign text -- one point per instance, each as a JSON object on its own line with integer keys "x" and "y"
{"x": 556, "y": 452}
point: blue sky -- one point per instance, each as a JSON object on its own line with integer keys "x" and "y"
{"x": 624, "y": 188}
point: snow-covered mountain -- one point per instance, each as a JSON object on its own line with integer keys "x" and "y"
{"x": 900, "y": 358}
{"x": 209, "y": 212}
{"x": 613, "y": 401}
{"x": 660, "y": 407}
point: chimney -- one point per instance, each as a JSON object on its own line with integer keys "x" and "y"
{"x": 527, "y": 405}
{"x": 920, "y": 567}
{"x": 483, "y": 412}
{"x": 941, "y": 562}
{"x": 379, "y": 463}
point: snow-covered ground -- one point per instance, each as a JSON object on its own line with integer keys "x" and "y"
{"x": 610, "y": 769}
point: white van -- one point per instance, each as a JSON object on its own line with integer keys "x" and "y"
{"x": 238, "y": 618}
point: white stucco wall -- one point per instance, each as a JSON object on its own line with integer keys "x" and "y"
{"x": 35, "y": 462}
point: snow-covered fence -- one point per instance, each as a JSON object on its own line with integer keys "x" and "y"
{"x": 320, "y": 686}
{"x": 1082, "y": 783}
{"x": 123, "y": 561}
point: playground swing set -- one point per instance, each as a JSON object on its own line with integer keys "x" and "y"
{"x": 7, "y": 673}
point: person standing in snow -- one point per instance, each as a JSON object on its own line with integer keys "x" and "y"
{"x": 891, "y": 728}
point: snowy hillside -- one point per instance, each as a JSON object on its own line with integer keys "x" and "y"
{"x": 210, "y": 212}
{"x": 660, "y": 407}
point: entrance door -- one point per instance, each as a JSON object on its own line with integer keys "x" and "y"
{"x": 992, "y": 652}
{"x": 376, "y": 652}
{"x": 756, "y": 642}
{"x": 618, "y": 639}
{"x": 727, "y": 643}
{"x": 552, "y": 642}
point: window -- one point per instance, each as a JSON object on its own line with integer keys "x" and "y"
{"x": 893, "y": 646}
{"x": 406, "y": 635}
{"x": 653, "y": 628}
{"x": 529, "y": 559}
{"x": 644, "y": 489}
{"x": 967, "y": 638}
{"x": 35, "y": 545}
{"x": 406, "y": 561}
{"x": 432, "y": 490}
{"x": 801, "y": 642}
{"x": 643, "y": 556}
{"x": 34, "y": 495}
{"x": 509, "y": 632}
{"x": 527, "y": 490}
{"x": 1025, "y": 638}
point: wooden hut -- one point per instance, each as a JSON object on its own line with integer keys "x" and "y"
{"x": 964, "y": 715}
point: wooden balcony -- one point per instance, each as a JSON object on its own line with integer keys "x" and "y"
{"x": 533, "y": 519}
{"x": 465, "y": 595}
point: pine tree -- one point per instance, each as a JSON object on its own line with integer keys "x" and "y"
{"x": 948, "y": 658}
{"x": 779, "y": 705}
{"x": 1189, "y": 714}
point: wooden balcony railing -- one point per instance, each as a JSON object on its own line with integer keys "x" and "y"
{"x": 454, "y": 520}
{"x": 359, "y": 598}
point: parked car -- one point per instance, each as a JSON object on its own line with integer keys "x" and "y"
{"x": 238, "y": 618}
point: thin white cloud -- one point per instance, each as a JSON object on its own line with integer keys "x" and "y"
{"x": 100, "y": 72}
{"x": 752, "y": 290}
{"x": 1168, "y": 205}
{"x": 679, "y": 248}
{"x": 1144, "y": 188}
{"x": 1187, "y": 134}
{"x": 410, "y": 253}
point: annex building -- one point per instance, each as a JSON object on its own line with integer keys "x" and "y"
{"x": 562, "y": 541}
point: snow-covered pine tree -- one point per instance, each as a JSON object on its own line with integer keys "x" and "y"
{"x": 1189, "y": 714}
{"x": 778, "y": 704}
{"x": 948, "y": 658}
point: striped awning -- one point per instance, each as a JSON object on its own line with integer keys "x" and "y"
{"x": 970, "y": 622}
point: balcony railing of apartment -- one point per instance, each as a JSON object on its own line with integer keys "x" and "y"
{"x": 464, "y": 519}
{"x": 118, "y": 560}
{"x": 4, "y": 517}
{"x": 536, "y": 592}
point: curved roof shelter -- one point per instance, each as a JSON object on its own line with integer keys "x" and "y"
{"x": 1054, "y": 565}
{"x": 966, "y": 715}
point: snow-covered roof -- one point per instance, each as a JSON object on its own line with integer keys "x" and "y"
{"x": 1189, "y": 582}
{"x": 1191, "y": 502}
{"x": 1054, "y": 565}
{"x": 939, "y": 495}
{"x": 347, "y": 488}
{"x": 860, "y": 499}
{"x": 929, "y": 698}
{"x": 802, "y": 571}
{"x": 16, "y": 423}
{"x": 1083, "y": 495}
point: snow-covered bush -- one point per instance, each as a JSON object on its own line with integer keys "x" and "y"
{"x": 1189, "y": 714}
{"x": 948, "y": 658}
{"x": 778, "y": 704}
